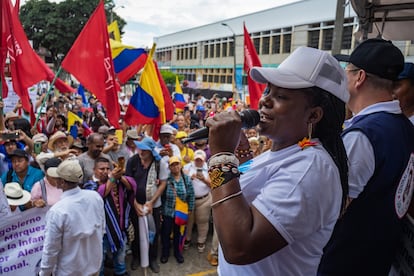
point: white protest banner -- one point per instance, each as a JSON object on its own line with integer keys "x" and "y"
{"x": 12, "y": 98}
{"x": 21, "y": 242}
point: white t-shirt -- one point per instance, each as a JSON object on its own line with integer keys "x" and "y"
{"x": 200, "y": 187}
{"x": 299, "y": 192}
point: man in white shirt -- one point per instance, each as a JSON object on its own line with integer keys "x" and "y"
{"x": 74, "y": 226}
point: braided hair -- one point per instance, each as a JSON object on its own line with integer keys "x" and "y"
{"x": 328, "y": 131}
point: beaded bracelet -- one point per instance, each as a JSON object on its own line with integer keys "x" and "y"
{"x": 226, "y": 198}
{"x": 222, "y": 173}
{"x": 242, "y": 151}
{"x": 223, "y": 158}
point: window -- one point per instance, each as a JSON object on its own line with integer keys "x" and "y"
{"x": 210, "y": 78}
{"x": 190, "y": 53}
{"x": 178, "y": 54}
{"x": 216, "y": 78}
{"x": 222, "y": 79}
{"x": 229, "y": 79}
{"x": 276, "y": 44}
{"x": 347, "y": 37}
{"x": 287, "y": 40}
{"x": 231, "y": 49}
{"x": 211, "y": 50}
{"x": 327, "y": 37}
{"x": 205, "y": 78}
{"x": 256, "y": 42}
{"x": 218, "y": 50}
{"x": 205, "y": 51}
{"x": 224, "y": 54}
{"x": 313, "y": 39}
{"x": 265, "y": 45}
{"x": 186, "y": 53}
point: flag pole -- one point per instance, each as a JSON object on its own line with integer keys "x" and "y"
{"x": 46, "y": 96}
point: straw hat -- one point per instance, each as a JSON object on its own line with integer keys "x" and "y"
{"x": 56, "y": 136}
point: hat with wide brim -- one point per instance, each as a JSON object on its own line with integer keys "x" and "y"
{"x": 148, "y": 144}
{"x": 15, "y": 194}
{"x": 59, "y": 135}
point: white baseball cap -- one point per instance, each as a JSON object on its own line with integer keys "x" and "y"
{"x": 306, "y": 67}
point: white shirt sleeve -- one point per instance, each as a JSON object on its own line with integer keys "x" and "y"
{"x": 361, "y": 161}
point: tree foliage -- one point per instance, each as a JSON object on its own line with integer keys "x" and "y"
{"x": 55, "y": 26}
{"x": 169, "y": 77}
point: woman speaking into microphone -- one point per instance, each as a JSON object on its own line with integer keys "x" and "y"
{"x": 277, "y": 216}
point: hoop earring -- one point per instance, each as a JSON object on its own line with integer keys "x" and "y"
{"x": 310, "y": 129}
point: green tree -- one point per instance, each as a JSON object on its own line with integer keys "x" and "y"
{"x": 169, "y": 77}
{"x": 55, "y": 26}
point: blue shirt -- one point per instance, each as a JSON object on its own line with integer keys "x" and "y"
{"x": 33, "y": 175}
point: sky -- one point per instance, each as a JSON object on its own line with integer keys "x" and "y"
{"x": 147, "y": 19}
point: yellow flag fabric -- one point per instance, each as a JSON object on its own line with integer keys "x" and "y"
{"x": 113, "y": 31}
{"x": 72, "y": 118}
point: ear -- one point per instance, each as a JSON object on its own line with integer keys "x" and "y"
{"x": 315, "y": 115}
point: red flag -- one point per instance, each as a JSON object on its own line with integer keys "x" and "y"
{"x": 252, "y": 59}
{"x": 26, "y": 66}
{"x": 168, "y": 103}
{"x": 90, "y": 61}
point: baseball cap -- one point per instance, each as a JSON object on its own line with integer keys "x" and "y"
{"x": 69, "y": 170}
{"x": 408, "y": 72}
{"x": 306, "y": 67}
{"x": 181, "y": 134}
{"x": 19, "y": 153}
{"x": 200, "y": 154}
{"x": 377, "y": 56}
{"x": 148, "y": 144}
{"x": 53, "y": 162}
{"x": 174, "y": 159}
{"x": 167, "y": 129}
{"x": 15, "y": 194}
{"x": 39, "y": 138}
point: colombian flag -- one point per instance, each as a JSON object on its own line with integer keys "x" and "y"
{"x": 179, "y": 97}
{"x": 127, "y": 60}
{"x": 146, "y": 106}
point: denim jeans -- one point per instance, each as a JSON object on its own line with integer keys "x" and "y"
{"x": 118, "y": 258}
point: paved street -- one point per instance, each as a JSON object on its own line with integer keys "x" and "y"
{"x": 195, "y": 264}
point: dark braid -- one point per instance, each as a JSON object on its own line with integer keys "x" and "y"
{"x": 328, "y": 131}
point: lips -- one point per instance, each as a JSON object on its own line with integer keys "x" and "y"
{"x": 264, "y": 117}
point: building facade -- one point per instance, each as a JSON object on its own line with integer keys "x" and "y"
{"x": 207, "y": 55}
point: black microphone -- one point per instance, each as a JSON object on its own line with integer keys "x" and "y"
{"x": 249, "y": 119}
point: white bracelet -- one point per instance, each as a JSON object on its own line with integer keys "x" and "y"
{"x": 226, "y": 198}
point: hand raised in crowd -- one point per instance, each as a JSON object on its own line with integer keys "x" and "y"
{"x": 166, "y": 151}
{"x": 64, "y": 154}
{"x": 117, "y": 172}
{"x": 187, "y": 159}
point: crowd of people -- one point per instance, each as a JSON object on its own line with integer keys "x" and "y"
{"x": 308, "y": 191}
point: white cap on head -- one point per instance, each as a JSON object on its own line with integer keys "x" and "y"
{"x": 69, "y": 170}
{"x": 306, "y": 67}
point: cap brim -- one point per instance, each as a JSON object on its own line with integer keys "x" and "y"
{"x": 341, "y": 57}
{"x": 52, "y": 172}
{"x": 278, "y": 77}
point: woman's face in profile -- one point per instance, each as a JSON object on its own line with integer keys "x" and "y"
{"x": 284, "y": 115}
